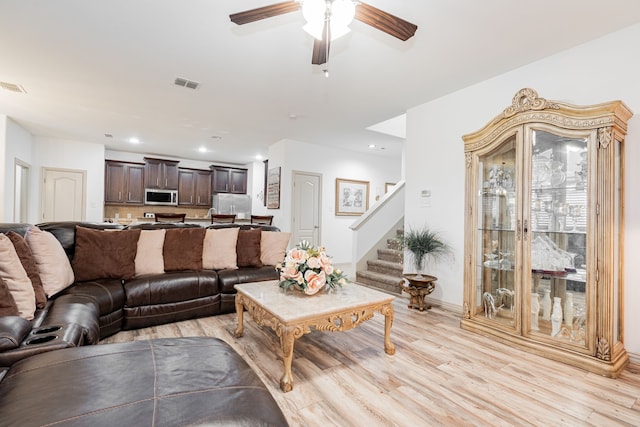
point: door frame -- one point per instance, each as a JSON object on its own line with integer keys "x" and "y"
{"x": 21, "y": 187}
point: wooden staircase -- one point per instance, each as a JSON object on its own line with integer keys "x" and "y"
{"x": 385, "y": 272}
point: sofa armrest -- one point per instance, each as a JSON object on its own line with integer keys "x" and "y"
{"x": 13, "y": 329}
{"x": 43, "y": 339}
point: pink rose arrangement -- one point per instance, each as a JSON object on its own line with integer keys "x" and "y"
{"x": 309, "y": 269}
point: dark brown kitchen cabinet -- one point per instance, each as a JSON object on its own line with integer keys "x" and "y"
{"x": 229, "y": 180}
{"x": 161, "y": 173}
{"x": 194, "y": 187}
{"x": 124, "y": 183}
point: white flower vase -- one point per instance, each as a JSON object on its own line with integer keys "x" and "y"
{"x": 556, "y": 316}
{"x": 535, "y": 311}
{"x": 546, "y": 305}
{"x": 568, "y": 310}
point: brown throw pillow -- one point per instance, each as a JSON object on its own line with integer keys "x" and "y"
{"x": 183, "y": 249}
{"x": 8, "y": 305}
{"x": 248, "y": 248}
{"x": 30, "y": 266}
{"x": 104, "y": 254}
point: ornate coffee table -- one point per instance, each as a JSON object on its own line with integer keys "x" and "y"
{"x": 293, "y": 314}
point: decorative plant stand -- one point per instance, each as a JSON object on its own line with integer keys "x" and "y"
{"x": 418, "y": 287}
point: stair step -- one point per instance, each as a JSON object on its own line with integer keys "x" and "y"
{"x": 394, "y": 243}
{"x": 381, "y": 281}
{"x": 385, "y": 267}
{"x": 393, "y": 255}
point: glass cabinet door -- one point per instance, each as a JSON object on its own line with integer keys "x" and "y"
{"x": 496, "y": 221}
{"x": 558, "y": 213}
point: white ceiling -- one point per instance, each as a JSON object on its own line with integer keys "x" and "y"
{"x": 96, "y": 67}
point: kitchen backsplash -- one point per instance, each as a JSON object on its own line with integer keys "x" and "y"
{"x": 137, "y": 212}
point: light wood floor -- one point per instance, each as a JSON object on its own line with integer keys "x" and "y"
{"x": 440, "y": 375}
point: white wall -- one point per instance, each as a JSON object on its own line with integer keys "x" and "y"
{"x": 5, "y": 199}
{"x": 19, "y": 147}
{"x": 331, "y": 163}
{"x": 15, "y": 143}
{"x": 603, "y": 70}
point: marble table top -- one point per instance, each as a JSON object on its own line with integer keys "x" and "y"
{"x": 293, "y": 305}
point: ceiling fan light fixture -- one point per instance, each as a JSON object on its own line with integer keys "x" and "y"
{"x": 340, "y": 14}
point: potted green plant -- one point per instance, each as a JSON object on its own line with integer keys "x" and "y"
{"x": 424, "y": 244}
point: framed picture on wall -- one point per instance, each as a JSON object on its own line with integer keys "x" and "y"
{"x": 352, "y": 197}
{"x": 388, "y": 186}
{"x": 273, "y": 189}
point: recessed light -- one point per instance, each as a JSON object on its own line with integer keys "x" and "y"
{"x": 372, "y": 145}
{"x": 134, "y": 140}
{"x": 259, "y": 157}
{"x": 202, "y": 149}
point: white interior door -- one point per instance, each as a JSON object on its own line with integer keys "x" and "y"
{"x": 63, "y": 195}
{"x": 306, "y": 207}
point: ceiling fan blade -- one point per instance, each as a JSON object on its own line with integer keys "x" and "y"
{"x": 259, "y": 13}
{"x": 321, "y": 47}
{"x": 384, "y": 21}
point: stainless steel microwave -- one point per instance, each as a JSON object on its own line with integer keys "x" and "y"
{"x": 155, "y": 196}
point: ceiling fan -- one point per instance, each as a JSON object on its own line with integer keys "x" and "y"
{"x": 328, "y": 20}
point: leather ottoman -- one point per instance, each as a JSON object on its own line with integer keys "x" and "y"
{"x": 162, "y": 382}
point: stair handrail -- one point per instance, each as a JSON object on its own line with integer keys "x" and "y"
{"x": 376, "y": 222}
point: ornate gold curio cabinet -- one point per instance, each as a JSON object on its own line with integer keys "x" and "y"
{"x": 544, "y": 231}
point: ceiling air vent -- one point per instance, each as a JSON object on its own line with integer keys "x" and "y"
{"x": 12, "y": 87}
{"x": 187, "y": 83}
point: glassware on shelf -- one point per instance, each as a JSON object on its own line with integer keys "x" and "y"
{"x": 547, "y": 257}
{"x": 548, "y": 209}
{"x": 535, "y": 310}
{"x": 500, "y": 179}
{"x": 546, "y": 304}
{"x": 557, "y": 176}
{"x": 568, "y": 309}
{"x": 556, "y": 316}
{"x": 575, "y": 212}
{"x": 581, "y": 172}
{"x": 560, "y": 211}
{"x": 540, "y": 173}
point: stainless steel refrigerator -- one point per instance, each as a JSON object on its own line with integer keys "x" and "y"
{"x": 239, "y": 204}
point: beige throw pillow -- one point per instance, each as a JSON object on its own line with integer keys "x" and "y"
{"x": 273, "y": 246}
{"x": 16, "y": 279}
{"x": 149, "y": 256}
{"x": 219, "y": 249}
{"x": 54, "y": 267}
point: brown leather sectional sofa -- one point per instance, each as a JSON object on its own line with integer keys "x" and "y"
{"x": 88, "y": 311}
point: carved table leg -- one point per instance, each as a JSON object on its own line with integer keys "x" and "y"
{"x": 387, "y": 311}
{"x": 240, "y": 312}
{"x": 287, "y": 340}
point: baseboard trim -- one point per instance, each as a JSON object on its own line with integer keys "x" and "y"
{"x": 634, "y": 362}
{"x": 454, "y": 308}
